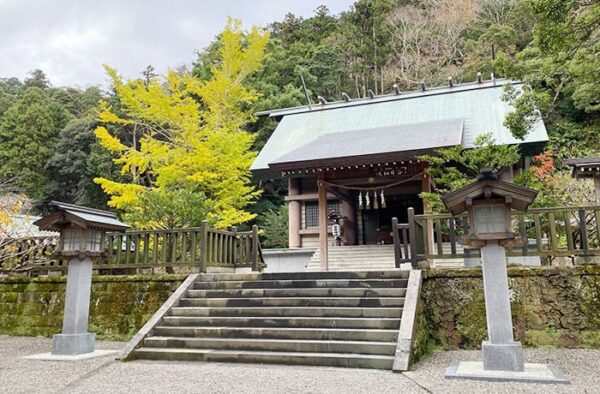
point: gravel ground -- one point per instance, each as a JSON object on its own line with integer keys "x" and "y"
{"x": 105, "y": 375}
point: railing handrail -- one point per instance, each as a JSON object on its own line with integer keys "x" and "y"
{"x": 198, "y": 247}
{"x": 546, "y": 232}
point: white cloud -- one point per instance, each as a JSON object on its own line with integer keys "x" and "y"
{"x": 70, "y": 40}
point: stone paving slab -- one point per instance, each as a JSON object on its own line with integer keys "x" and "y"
{"x": 106, "y": 375}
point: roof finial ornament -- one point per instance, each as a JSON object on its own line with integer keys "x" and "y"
{"x": 487, "y": 174}
{"x": 370, "y": 93}
{"x": 396, "y": 88}
{"x": 322, "y": 100}
{"x": 345, "y": 97}
{"x": 479, "y": 77}
{"x": 423, "y": 86}
{"x": 450, "y": 83}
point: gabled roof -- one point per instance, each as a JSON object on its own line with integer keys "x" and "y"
{"x": 479, "y": 105}
{"x": 360, "y": 145}
{"x": 488, "y": 185}
{"x": 584, "y": 167}
{"x": 82, "y": 217}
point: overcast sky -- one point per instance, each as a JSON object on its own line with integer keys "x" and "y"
{"x": 71, "y": 39}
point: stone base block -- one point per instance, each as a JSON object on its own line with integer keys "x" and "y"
{"x": 502, "y": 357}
{"x": 532, "y": 373}
{"x": 72, "y": 357}
{"x": 67, "y": 344}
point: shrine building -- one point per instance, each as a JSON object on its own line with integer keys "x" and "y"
{"x": 358, "y": 160}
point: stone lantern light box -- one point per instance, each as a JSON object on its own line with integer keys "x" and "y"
{"x": 489, "y": 203}
{"x": 82, "y": 230}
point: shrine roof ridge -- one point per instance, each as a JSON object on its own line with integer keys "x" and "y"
{"x": 413, "y": 94}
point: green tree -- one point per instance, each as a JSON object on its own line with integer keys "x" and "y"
{"x": 28, "y": 132}
{"x": 274, "y": 226}
{"x": 453, "y": 168}
{"x": 69, "y": 171}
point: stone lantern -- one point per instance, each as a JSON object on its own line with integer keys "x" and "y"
{"x": 82, "y": 235}
{"x": 489, "y": 203}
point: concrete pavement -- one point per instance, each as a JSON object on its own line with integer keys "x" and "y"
{"x": 105, "y": 375}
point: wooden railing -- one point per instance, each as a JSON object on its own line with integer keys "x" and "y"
{"x": 545, "y": 232}
{"x": 191, "y": 249}
{"x": 24, "y": 254}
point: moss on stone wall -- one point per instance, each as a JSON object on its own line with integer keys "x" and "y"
{"x": 120, "y": 305}
{"x": 551, "y": 307}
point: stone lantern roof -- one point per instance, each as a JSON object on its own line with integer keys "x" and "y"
{"x": 81, "y": 217}
{"x": 488, "y": 186}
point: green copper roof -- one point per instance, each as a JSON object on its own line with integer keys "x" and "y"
{"x": 479, "y": 106}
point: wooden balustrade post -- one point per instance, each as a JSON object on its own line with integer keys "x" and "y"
{"x": 412, "y": 237}
{"x": 255, "y": 242}
{"x": 396, "y": 239}
{"x": 203, "y": 246}
{"x": 234, "y": 248}
{"x": 583, "y": 232}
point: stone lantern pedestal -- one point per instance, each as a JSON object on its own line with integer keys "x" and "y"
{"x": 75, "y": 338}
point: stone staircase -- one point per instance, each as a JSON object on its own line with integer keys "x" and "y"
{"x": 342, "y": 319}
{"x": 356, "y": 258}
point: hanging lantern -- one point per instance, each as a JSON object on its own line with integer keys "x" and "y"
{"x": 367, "y": 201}
{"x": 360, "y": 201}
{"x": 375, "y": 201}
{"x": 382, "y": 200}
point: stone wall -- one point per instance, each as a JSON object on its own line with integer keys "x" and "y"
{"x": 119, "y": 307}
{"x": 553, "y": 307}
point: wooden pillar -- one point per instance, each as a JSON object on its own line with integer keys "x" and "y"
{"x": 349, "y": 215}
{"x": 597, "y": 187}
{"x": 426, "y": 187}
{"x": 323, "y": 253}
{"x": 294, "y": 214}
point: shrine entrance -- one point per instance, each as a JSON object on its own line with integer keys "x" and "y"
{"x": 377, "y": 223}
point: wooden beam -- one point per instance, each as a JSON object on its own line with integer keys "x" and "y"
{"x": 323, "y": 252}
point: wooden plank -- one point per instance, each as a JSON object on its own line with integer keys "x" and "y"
{"x": 119, "y": 248}
{"x": 552, "y": 223}
{"x": 397, "y": 256}
{"x": 568, "y": 230}
{"x": 583, "y": 231}
{"x": 184, "y": 237}
{"x": 127, "y": 248}
{"x": 412, "y": 237}
{"x": 538, "y": 231}
{"x": 426, "y": 242}
{"x": 597, "y": 217}
{"x": 452, "y": 235}
{"x": 146, "y": 248}
{"x": 193, "y": 254}
{"x": 523, "y": 233}
{"x": 165, "y": 246}
{"x": 155, "y": 248}
{"x": 203, "y": 246}
{"x": 438, "y": 235}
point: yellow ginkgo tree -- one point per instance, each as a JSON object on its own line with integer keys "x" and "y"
{"x": 181, "y": 141}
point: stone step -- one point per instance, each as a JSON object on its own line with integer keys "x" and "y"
{"x": 286, "y": 322}
{"x": 297, "y": 292}
{"x": 383, "y": 274}
{"x": 290, "y": 358}
{"x": 270, "y": 345}
{"x": 336, "y": 334}
{"x": 269, "y": 284}
{"x": 286, "y": 311}
{"x": 294, "y": 301}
